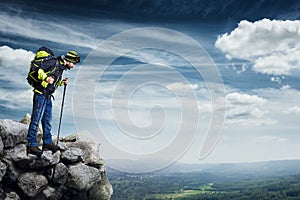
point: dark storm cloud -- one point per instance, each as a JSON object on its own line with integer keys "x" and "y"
{"x": 168, "y": 9}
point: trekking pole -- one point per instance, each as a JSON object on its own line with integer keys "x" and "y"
{"x": 61, "y": 112}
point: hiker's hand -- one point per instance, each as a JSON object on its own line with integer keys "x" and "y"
{"x": 65, "y": 80}
{"x": 50, "y": 80}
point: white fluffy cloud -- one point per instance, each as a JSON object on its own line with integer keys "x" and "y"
{"x": 14, "y": 66}
{"x": 293, "y": 110}
{"x": 245, "y": 109}
{"x": 15, "y": 57}
{"x": 182, "y": 88}
{"x": 272, "y": 45}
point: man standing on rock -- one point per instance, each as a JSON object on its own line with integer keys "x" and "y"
{"x": 45, "y": 78}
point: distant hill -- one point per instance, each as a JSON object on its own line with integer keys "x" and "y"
{"x": 258, "y": 180}
{"x": 242, "y": 170}
{"x": 233, "y": 170}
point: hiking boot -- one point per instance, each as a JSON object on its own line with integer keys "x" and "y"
{"x": 51, "y": 147}
{"x": 34, "y": 150}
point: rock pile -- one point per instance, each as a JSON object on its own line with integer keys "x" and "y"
{"x": 75, "y": 172}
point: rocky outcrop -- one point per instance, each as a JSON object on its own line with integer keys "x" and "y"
{"x": 75, "y": 172}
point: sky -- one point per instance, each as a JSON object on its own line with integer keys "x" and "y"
{"x": 195, "y": 82}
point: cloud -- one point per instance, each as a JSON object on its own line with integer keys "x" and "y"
{"x": 14, "y": 66}
{"x": 14, "y": 63}
{"x": 272, "y": 45}
{"x": 293, "y": 110}
{"x": 182, "y": 88}
{"x": 15, "y": 100}
{"x": 61, "y": 31}
{"x": 270, "y": 138}
{"x": 15, "y": 57}
{"x": 244, "y": 99}
{"x": 277, "y": 79}
{"x": 244, "y": 68}
{"x": 15, "y": 92}
{"x": 245, "y": 109}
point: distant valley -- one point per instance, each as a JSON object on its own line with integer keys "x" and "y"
{"x": 258, "y": 180}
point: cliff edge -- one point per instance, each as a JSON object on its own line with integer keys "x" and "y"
{"x": 74, "y": 172}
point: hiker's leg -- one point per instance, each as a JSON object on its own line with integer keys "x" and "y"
{"x": 37, "y": 112}
{"x": 46, "y": 122}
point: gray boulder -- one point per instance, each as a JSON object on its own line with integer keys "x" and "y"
{"x": 47, "y": 159}
{"x": 12, "y": 196}
{"x": 82, "y": 177}
{"x": 60, "y": 174}
{"x": 71, "y": 138}
{"x": 101, "y": 190}
{"x": 72, "y": 155}
{"x": 63, "y": 146}
{"x": 91, "y": 151}
{"x": 90, "y": 147}
{"x": 26, "y": 119}
{"x": 1, "y": 146}
{"x": 3, "y": 169}
{"x": 74, "y": 172}
{"x": 12, "y": 132}
{"x": 19, "y": 156}
{"x": 32, "y": 183}
{"x": 51, "y": 158}
{"x": 16, "y": 154}
{"x": 48, "y": 192}
{"x": 12, "y": 172}
{"x": 52, "y": 193}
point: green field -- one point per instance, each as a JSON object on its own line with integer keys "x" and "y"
{"x": 205, "y": 189}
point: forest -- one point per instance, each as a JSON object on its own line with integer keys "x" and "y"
{"x": 205, "y": 185}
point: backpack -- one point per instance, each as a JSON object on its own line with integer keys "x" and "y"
{"x": 44, "y": 59}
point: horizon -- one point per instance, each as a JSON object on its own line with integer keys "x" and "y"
{"x": 200, "y": 83}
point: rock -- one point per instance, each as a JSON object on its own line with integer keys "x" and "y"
{"x": 47, "y": 159}
{"x": 1, "y": 146}
{"x": 19, "y": 156}
{"x": 12, "y": 132}
{"x": 48, "y": 192}
{"x": 16, "y": 154}
{"x": 3, "y": 169}
{"x": 63, "y": 146}
{"x": 82, "y": 177}
{"x": 101, "y": 166}
{"x": 32, "y": 183}
{"x": 75, "y": 195}
{"x": 60, "y": 174}
{"x": 72, "y": 155}
{"x": 101, "y": 190}
{"x": 91, "y": 151}
{"x": 12, "y": 172}
{"x": 75, "y": 172}
{"x": 71, "y": 138}
{"x": 26, "y": 119}
{"x": 12, "y": 196}
{"x": 51, "y": 158}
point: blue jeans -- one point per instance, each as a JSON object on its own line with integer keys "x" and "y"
{"x": 42, "y": 109}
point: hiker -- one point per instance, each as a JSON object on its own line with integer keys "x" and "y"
{"x": 49, "y": 77}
